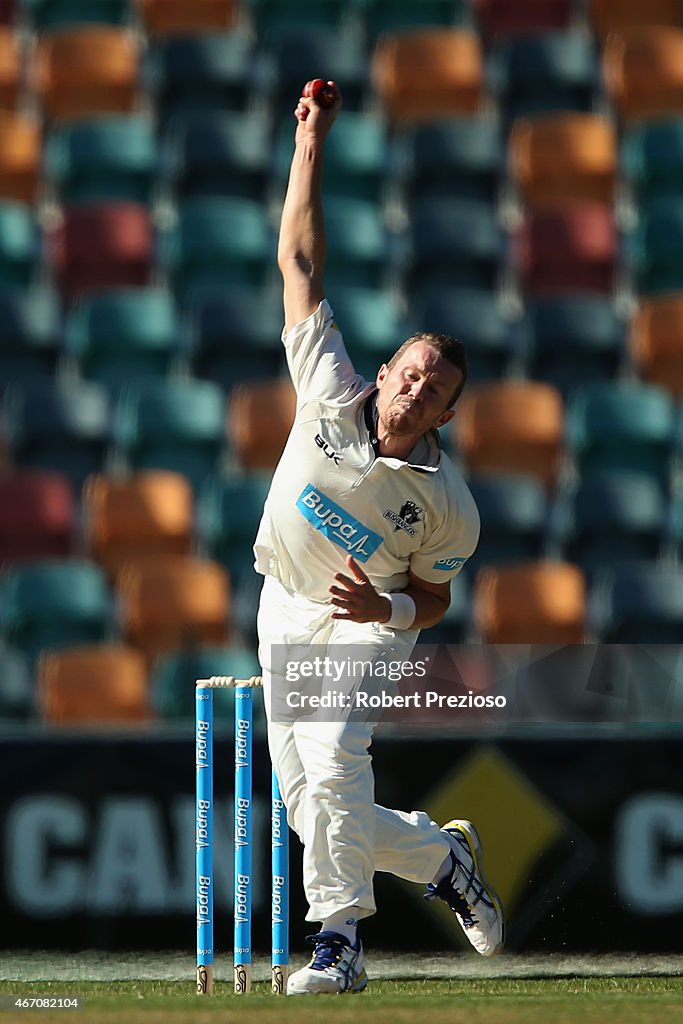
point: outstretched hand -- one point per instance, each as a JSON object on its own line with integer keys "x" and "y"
{"x": 313, "y": 120}
{"x": 357, "y": 598}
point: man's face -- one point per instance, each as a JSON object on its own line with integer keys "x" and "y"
{"x": 415, "y": 392}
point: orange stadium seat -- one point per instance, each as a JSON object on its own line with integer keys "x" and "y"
{"x": 171, "y": 17}
{"x": 643, "y": 71}
{"x": 171, "y": 603}
{"x": 564, "y": 247}
{"x": 102, "y": 245}
{"x": 37, "y": 516}
{"x": 656, "y": 342}
{"x": 531, "y": 603}
{"x": 427, "y": 73}
{"x": 10, "y": 68}
{"x": 607, "y": 16}
{"x": 260, "y": 416}
{"x": 86, "y": 70}
{"x": 563, "y": 156}
{"x": 20, "y": 157}
{"x": 100, "y": 684}
{"x": 511, "y": 427}
{"x": 148, "y": 513}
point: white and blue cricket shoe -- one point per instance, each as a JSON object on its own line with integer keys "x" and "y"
{"x": 335, "y": 967}
{"x": 466, "y": 891}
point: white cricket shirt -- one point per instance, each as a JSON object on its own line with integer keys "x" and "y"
{"x": 331, "y": 497}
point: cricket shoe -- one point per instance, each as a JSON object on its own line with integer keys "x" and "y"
{"x": 335, "y": 967}
{"x": 466, "y": 891}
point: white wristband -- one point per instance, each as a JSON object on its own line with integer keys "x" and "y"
{"x": 402, "y": 610}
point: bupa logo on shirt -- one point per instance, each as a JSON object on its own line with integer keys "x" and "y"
{"x": 337, "y": 524}
{"x": 449, "y": 564}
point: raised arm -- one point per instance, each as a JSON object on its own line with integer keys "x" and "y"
{"x": 301, "y": 245}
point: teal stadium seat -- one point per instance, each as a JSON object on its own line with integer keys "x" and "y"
{"x": 452, "y": 157}
{"x": 176, "y": 424}
{"x": 656, "y": 246}
{"x": 573, "y": 339}
{"x": 620, "y": 425}
{"x": 225, "y": 153}
{"x": 218, "y": 241}
{"x": 473, "y": 316}
{"x": 62, "y": 426}
{"x": 452, "y": 242}
{"x": 371, "y": 322}
{"x": 326, "y": 51}
{"x": 545, "y": 71}
{"x": 271, "y": 16}
{"x": 380, "y": 16}
{"x": 192, "y": 74}
{"x": 121, "y": 335}
{"x": 229, "y": 510}
{"x": 108, "y": 157}
{"x": 46, "y": 15}
{"x": 514, "y": 519}
{"x": 17, "y": 699}
{"x": 357, "y": 243}
{"x": 29, "y": 333}
{"x": 612, "y": 516}
{"x": 638, "y": 603}
{"x": 234, "y": 335}
{"x": 652, "y": 158}
{"x": 55, "y": 604}
{"x": 173, "y": 675}
{"x": 19, "y": 244}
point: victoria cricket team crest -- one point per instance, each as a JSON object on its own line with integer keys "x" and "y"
{"x": 409, "y": 514}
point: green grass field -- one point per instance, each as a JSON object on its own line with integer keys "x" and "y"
{"x": 514, "y": 990}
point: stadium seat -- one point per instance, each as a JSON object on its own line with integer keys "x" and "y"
{"x": 199, "y": 73}
{"x": 428, "y": 73}
{"x": 8, "y": 11}
{"x": 383, "y": 16}
{"x": 20, "y": 157}
{"x": 655, "y": 342}
{"x": 55, "y": 604}
{"x": 172, "y": 693}
{"x": 30, "y": 327}
{"x": 511, "y": 427}
{"x": 269, "y": 17}
{"x": 120, "y": 335}
{"x": 176, "y": 424}
{"x": 37, "y": 516}
{"x": 544, "y": 72}
{"x": 452, "y": 242}
{"x": 62, "y": 426}
{"x": 260, "y": 416}
{"x": 112, "y": 156}
{"x": 10, "y": 68}
{"x": 218, "y": 241}
{"x": 234, "y": 336}
{"x": 607, "y": 16}
{"x": 101, "y": 245}
{"x": 17, "y": 697}
{"x": 622, "y": 425}
{"x": 357, "y": 243}
{"x": 19, "y": 244}
{"x": 356, "y": 156}
{"x": 46, "y": 15}
{"x": 172, "y": 603}
{"x": 86, "y": 70}
{"x": 571, "y": 340}
{"x": 540, "y": 602}
{"x": 452, "y": 157}
{"x": 652, "y": 158}
{"x": 643, "y": 71}
{"x": 613, "y": 516}
{"x": 655, "y": 249}
{"x": 294, "y": 47}
{"x": 473, "y": 316}
{"x": 180, "y": 17}
{"x": 499, "y": 19}
{"x": 567, "y": 247}
{"x": 226, "y": 153}
{"x": 371, "y": 322}
{"x": 148, "y": 513}
{"x": 563, "y": 156}
{"x": 638, "y": 603}
{"x": 97, "y": 685}
{"x": 513, "y": 511}
{"x": 229, "y": 509}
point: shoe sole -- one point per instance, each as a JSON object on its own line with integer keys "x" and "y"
{"x": 467, "y": 829}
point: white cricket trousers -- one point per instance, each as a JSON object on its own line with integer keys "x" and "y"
{"x": 325, "y": 769}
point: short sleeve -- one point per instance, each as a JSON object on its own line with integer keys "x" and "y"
{"x": 318, "y": 362}
{"x": 447, "y": 549}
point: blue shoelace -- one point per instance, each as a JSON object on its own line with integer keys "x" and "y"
{"x": 329, "y": 947}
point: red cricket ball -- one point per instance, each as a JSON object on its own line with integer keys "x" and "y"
{"x": 321, "y": 92}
